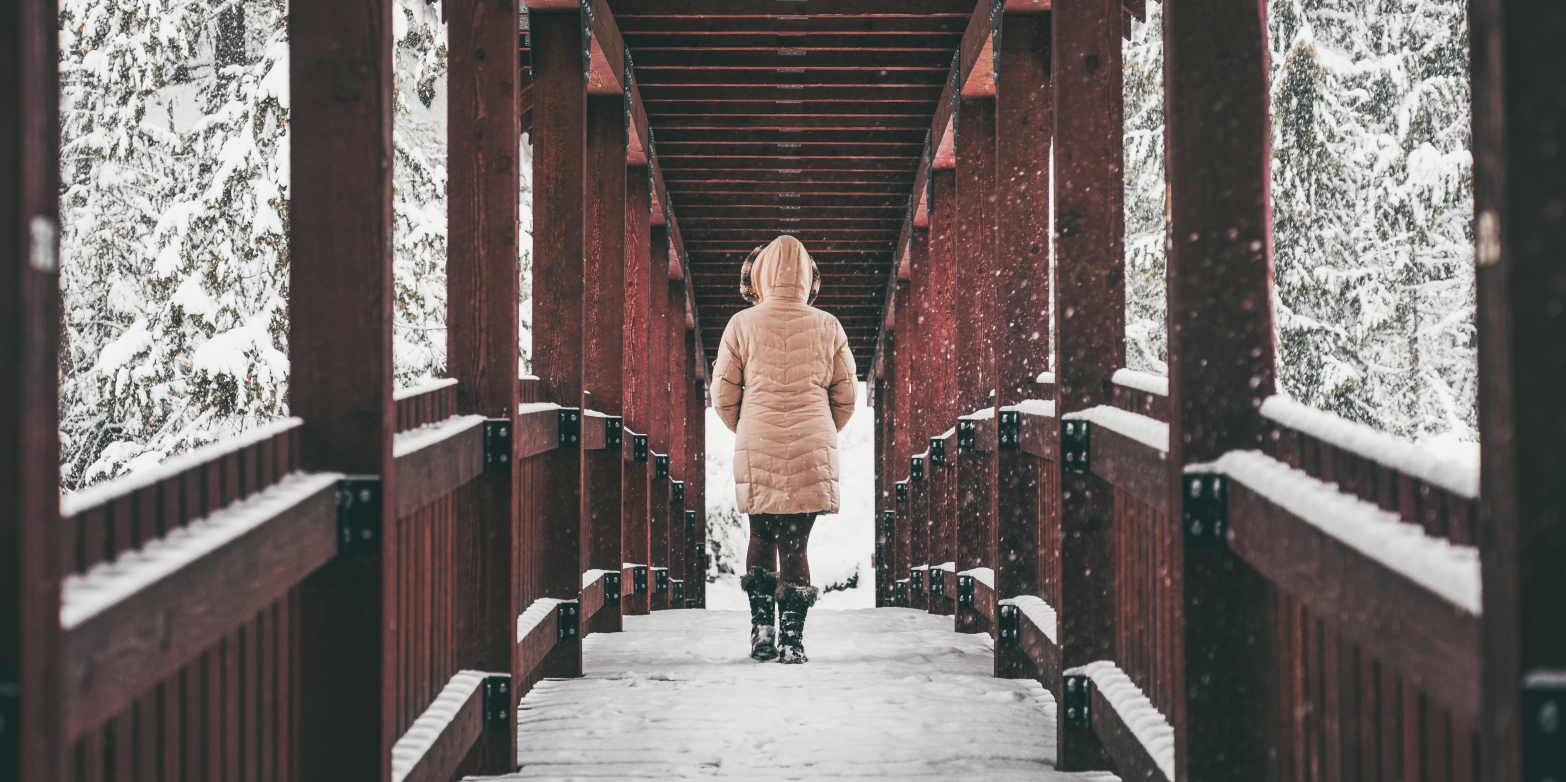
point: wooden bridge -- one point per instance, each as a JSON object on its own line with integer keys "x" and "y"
{"x": 1211, "y": 581}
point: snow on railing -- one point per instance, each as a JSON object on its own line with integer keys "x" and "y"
{"x": 1043, "y": 407}
{"x": 1145, "y": 430}
{"x": 422, "y": 734}
{"x": 1138, "y": 714}
{"x": 541, "y": 609}
{"x": 1040, "y": 613}
{"x": 423, "y": 437}
{"x": 1141, "y": 381}
{"x": 425, "y": 404}
{"x": 1452, "y": 473}
{"x": 423, "y": 388}
{"x": 983, "y": 575}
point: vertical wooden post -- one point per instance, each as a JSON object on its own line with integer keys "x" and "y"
{"x": 560, "y": 160}
{"x": 939, "y": 359}
{"x": 481, "y": 317}
{"x": 884, "y": 537}
{"x": 1090, "y": 295}
{"x": 31, "y": 736}
{"x": 679, "y": 386}
{"x": 920, "y": 357}
{"x": 637, "y": 485}
{"x": 975, "y": 343}
{"x": 658, "y": 361}
{"x": 900, "y": 367}
{"x": 340, "y": 347}
{"x": 1024, "y": 124}
{"x": 1220, "y": 369}
{"x": 603, "y": 355}
{"x": 695, "y": 473}
{"x": 1519, "y": 192}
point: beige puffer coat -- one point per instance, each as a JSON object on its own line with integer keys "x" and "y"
{"x": 784, "y": 382}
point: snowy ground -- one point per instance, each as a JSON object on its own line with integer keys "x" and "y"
{"x": 888, "y": 694}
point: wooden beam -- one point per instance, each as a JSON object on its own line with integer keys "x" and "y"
{"x": 435, "y": 462}
{"x": 765, "y": 8}
{"x": 871, "y": 76}
{"x": 606, "y": 68}
{"x": 639, "y": 285}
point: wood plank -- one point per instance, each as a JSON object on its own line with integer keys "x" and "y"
{"x": 1131, "y": 758}
{"x": 1131, "y": 466}
{"x": 637, "y": 476}
{"x": 429, "y": 469}
{"x": 860, "y": 77}
{"x": 463, "y": 726}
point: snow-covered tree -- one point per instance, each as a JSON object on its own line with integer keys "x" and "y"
{"x": 1143, "y": 93}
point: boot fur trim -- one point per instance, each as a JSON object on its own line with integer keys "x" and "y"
{"x": 806, "y": 596}
{"x": 759, "y": 582}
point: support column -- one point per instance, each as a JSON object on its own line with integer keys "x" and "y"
{"x": 939, "y": 312}
{"x": 1090, "y": 275}
{"x": 902, "y": 555}
{"x": 560, "y": 160}
{"x": 340, "y": 313}
{"x": 658, "y": 361}
{"x": 920, "y": 355}
{"x": 1024, "y": 122}
{"x": 482, "y": 292}
{"x": 31, "y": 736}
{"x": 884, "y": 532}
{"x": 1221, "y": 356}
{"x": 603, "y": 354}
{"x": 679, "y": 387}
{"x": 695, "y": 474}
{"x": 975, "y": 353}
{"x": 636, "y": 486}
{"x": 1519, "y": 190}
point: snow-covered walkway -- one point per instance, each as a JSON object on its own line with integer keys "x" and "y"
{"x": 888, "y": 693}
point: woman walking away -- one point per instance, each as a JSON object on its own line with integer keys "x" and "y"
{"x": 784, "y": 382}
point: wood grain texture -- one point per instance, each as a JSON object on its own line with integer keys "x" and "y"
{"x": 1132, "y": 762}
{"x": 445, "y": 753}
{"x": 439, "y": 468}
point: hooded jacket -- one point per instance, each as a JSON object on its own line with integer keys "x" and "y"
{"x": 784, "y": 382}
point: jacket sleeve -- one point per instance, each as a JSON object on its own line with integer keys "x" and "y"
{"x": 842, "y": 390}
{"x": 728, "y": 379}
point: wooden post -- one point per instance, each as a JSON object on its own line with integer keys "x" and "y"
{"x": 975, "y": 343}
{"x": 31, "y": 736}
{"x": 679, "y": 386}
{"x": 637, "y": 486}
{"x": 920, "y": 357}
{"x": 1519, "y": 190}
{"x": 482, "y": 292}
{"x": 1220, "y": 369}
{"x": 695, "y": 472}
{"x": 560, "y": 160}
{"x": 1090, "y": 295}
{"x": 901, "y": 366}
{"x": 340, "y": 347}
{"x": 884, "y": 538}
{"x": 603, "y": 355}
{"x": 1024, "y": 123}
{"x": 658, "y": 361}
{"x": 939, "y": 360}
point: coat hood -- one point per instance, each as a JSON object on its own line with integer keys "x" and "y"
{"x": 782, "y": 270}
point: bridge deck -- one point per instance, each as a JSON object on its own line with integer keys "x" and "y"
{"x": 889, "y": 693}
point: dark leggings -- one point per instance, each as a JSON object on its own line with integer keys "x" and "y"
{"x": 778, "y": 542}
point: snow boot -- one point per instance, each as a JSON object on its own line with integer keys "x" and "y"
{"x": 794, "y": 601}
{"x": 760, "y": 586}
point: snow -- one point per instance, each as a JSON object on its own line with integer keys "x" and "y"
{"x": 1038, "y": 612}
{"x": 1144, "y": 430}
{"x": 426, "y": 436}
{"x": 593, "y": 575}
{"x": 950, "y": 567}
{"x": 889, "y": 693}
{"x": 536, "y": 407}
{"x": 1044, "y": 407}
{"x": 84, "y": 596}
{"x": 72, "y": 504}
{"x": 1448, "y": 570}
{"x": 1142, "y": 381}
{"x": 541, "y": 609}
{"x": 1135, "y": 710}
{"x": 424, "y": 388}
{"x": 1047, "y": 378}
{"x": 1456, "y": 470}
{"x": 983, "y": 575}
{"x": 421, "y": 735}
{"x": 982, "y": 414}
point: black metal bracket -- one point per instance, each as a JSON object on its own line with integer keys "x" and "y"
{"x": 677, "y": 590}
{"x": 10, "y": 723}
{"x": 570, "y": 427}
{"x": 916, "y": 468}
{"x": 497, "y": 445}
{"x": 888, "y": 523}
{"x": 568, "y": 621}
{"x": 937, "y": 585}
{"x": 690, "y": 522}
{"x": 639, "y": 579}
{"x": 1008, "y": 631}
{"x": 902, "y": 592}
{"x": 937, "y": 450}
{"x": 1009, "y": 429}
{"x": 915, "y": 581}
{"x": 1078, "y": 703}
{"x": 660, "y": 580}
{"x": 1544, "y": 725}
{"x": 1076, "y": 437}
{"x": 676, "y": 492}
{"x": 612, "y": 588}
{"x": 965, "y": 591}
{"x": 497, "y": 701}
{"x": 359, "y": 500}
{"x": 660, "y": 466}
{"x": 638, "y": 447}
{"x": 1205, "y": 509}
{"x": 691, "y": 602}
{"x": 967, "y": 435}
{"x": 614, "y": 430}
{"x": 902, "y": 491}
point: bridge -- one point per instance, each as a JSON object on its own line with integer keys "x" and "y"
{"x": 1080, "y": 569}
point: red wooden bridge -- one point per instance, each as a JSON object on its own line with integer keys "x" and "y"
{"x": 1214, "y": 583}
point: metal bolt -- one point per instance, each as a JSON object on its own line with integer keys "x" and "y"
{"x": 1549, "y": 718}
{"x": 1196, "y": 528}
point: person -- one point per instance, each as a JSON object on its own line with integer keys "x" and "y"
{"x": 784, "y": 383}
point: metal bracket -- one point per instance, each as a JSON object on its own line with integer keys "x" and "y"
{"x": 1009, "y": 430}
{"x": 902, "y": 491}
{"x": 660, "y": 466}
{"x": 902, "y": 592}
{"x": 915, "y": 581}
{"x": 937, "y": 450}
{"x": 497, "y": 701}
{"x": 614, "y": 429}
{"x": 1205, "y": 509}
{"x": 1078, "y": 703}
{"x": 612, "y": 588}
{"x": 1076, "y": 437}
{"x": 937, "y": 585}
{"x": 676, "y": 492}
{"x": 660, "y": 580}
{"x": 568, "y": 621}
{"x": 639, "y": 579}
{"x": 1008, "y": 625}
{"x": 888, "y": 523}
{"x": 677, "y": 590}
{"x": 570, "y": 427}
{"x": 359, "y": 502}
{"x": 690, "y": 522}
{"x": 497, "y": 445}
{"x": 1544, "y": 725}
{"x": 965, "y": 591}
{"x": 916, "y": 468}
{"x": 638, "y": 447}
{"x": 967, "y": 435}
{"x": 691, "y": 602}
{"x": 10, "y": 722}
